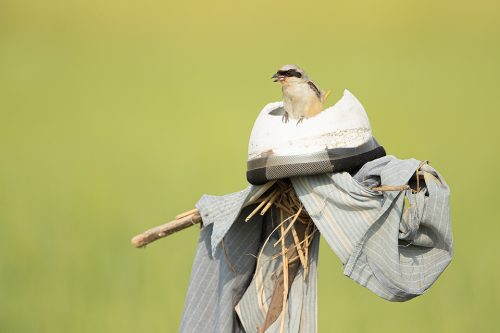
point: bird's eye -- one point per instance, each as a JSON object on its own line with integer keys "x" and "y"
{"x": 293, "y": 72}
{"x": 290, "y": 73}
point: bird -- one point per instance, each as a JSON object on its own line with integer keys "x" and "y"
{"x": 302, "y": 98}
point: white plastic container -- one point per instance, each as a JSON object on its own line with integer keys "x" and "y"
{"x": 337, "y": 139}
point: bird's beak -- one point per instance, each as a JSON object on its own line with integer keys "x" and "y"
{"x": 276, "y": 77}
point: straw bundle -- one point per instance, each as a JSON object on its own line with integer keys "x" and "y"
{"x": 296, "y": 230}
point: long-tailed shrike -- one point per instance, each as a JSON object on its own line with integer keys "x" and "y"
{"x": 301, "y": 97}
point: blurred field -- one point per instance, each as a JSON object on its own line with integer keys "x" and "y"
{"x": 117, "y": 115}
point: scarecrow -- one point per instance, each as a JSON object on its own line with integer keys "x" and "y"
{"x": 255, "y": 267}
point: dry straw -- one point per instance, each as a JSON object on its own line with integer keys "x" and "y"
{"x": 295, "y": 229}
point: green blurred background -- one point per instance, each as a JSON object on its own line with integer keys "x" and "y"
{"x": 117, "y": 115}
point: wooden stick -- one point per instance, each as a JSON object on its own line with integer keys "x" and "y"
{"x": 289, "y": 226}
{"x": 306, "y": 246}
{"x": 261, "y": 191}
{"x": 260, "y": 206}
{"x": 190, "y": 218}
{"x": 299, "y": 248}
{"x": 285, "y": 278}
{"x": 391, "y": 188}
{"x": 166, "y": 229}
{"x": 228, "y": 259}
{"x": 417, "y": 175}
{"x": 189, "y": 212}
{"x": 270, "y": 203}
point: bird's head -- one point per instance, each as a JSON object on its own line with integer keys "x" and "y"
{"x": 289, "y": 74}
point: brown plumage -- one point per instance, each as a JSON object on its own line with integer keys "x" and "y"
{"x": 301, "y": 97}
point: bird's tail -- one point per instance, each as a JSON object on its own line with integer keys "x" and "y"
{"x": 325, "y": 96}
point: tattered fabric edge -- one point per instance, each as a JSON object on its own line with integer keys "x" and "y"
{"x": 222, "y": 212}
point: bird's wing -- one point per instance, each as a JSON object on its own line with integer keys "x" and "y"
{"x": 279, "y": 111}
{"x": 314, "y": 88}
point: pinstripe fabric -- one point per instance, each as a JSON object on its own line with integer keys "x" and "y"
{"x": 301, "y": 306}
{"x": 396, "y": 253}
{"x": 214, "y": 290}
{"x": 341, "y": 209}
{"x": 222, "y": 211}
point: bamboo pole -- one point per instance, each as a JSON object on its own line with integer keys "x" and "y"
{"x": 185, "y": 221}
